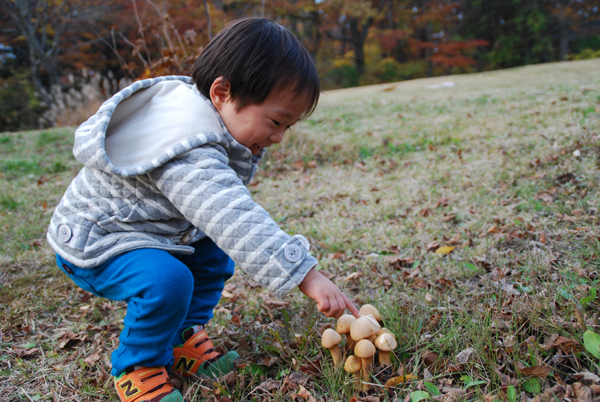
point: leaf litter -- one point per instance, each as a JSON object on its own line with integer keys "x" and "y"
{"x": 484, "y": 263}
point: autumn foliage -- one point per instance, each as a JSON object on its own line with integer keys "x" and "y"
{"x": 43, "y": 43}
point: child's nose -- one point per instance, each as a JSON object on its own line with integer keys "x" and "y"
{"x": 277, "y": 137}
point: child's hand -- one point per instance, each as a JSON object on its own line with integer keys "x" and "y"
{"x": 330, "y": 299}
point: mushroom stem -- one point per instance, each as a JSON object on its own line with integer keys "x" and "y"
{"x": 336, "y": 355}
{"x": 384, "y": 358}
{"x": 350, "y": 343}
{"x": 367, "y": 363}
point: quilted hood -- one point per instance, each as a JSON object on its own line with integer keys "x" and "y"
{"x": 147, "y": 124}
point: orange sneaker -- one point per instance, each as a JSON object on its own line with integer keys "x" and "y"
{"x": 197, "y": 356}
{"x": 147, "y": 385}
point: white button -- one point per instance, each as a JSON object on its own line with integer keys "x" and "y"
{"x": 292, "y": 253}
{"x": 64, "y": 233}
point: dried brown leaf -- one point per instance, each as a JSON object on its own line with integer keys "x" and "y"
{"x": 433, "y": 245}
{"x": 270, "y": 385}
{"x": 425, "y": 212}
{"x": 441, "y": 202}
{"x": 312, "y": 367}
{"x": 536, "y": 371}
{"x": 454, "y": 240}
{"x": 91, "y": 360}
{"x": 304, "y": 394}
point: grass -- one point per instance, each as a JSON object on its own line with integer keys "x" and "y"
{"x": 377, "y": 179}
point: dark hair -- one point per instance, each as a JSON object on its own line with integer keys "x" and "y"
{"x": 257, "y": 56}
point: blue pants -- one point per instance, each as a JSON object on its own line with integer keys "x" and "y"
{"x": 165, "y": 295}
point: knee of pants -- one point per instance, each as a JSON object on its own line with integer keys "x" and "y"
{"x": 173, "y": 287}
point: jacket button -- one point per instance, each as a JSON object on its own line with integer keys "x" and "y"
{"x": 64, "y": 233}
{"x": 292, "y": 253}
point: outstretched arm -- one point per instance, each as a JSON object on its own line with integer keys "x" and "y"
{"x": 331, "y": 301}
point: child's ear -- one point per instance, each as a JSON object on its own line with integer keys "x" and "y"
{"x": 219, "y": 92}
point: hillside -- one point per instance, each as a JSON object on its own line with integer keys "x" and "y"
{"x": 466, "y": 212}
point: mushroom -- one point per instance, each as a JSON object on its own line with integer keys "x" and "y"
{"x": 353, "y": 365}
{"x": 364, "y": 327}
{"x": 330, "y": 341}
{"x": 386, "y": 331}
{"x": 365, "y": 350}
{"x": 369, "y": 309}
{"x": 343, "y": 328}
{"x": 385, "y": 343}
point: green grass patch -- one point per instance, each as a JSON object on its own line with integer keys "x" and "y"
{"x": 377, "y": 181}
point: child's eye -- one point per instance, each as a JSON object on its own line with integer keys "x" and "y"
{"x": 276, "y": 122}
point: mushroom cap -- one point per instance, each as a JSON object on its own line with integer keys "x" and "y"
{"x": 343, "y": 323}
{"x": 370, "y": 309}
{"x": 386, "y": 342}
{"x": 364, "y": 349}
{"x": 386, "y": 331}
{"x": 330, "y": 338}
{"x": 364, "y": 327}
{"x": 353, "y": 364}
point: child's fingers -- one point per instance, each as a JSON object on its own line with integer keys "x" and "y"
{"x": 350, "y": 306}
{"x": 341, "y": 306}
{"x": 333, "y": 306}
{"x": 330, "y": 305}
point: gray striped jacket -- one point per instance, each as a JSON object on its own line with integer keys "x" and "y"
{"x": 161, "y": 171}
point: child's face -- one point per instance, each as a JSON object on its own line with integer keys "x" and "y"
{"x": 259, "y": 126}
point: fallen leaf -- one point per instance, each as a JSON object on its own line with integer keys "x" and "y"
{"x": 425, "y": 212}
{"x": 441, "y": 202}
{"x": 230, "y": 378}
{"x": 584, "y": 393}
{"x": 297, "y": 378}
{"x": 394, "y": 381}
{"x": 448, "y": 217}
{"x": 336, "y": 255}
{"x": 444, "y": 250}
{"x": 587, "y": 376}
{"x": 270, "y": 385}
{"x": 429, "y": 298}
{"x": 368, "y": 398}
{"x": 566, "y": 345}
{"x": 91, "y": 360}
{"x": 304, "y": 394}
{"x": 454, "y": 240}
{"x": 269, "y": 361}
{"x": 276, "y": 304}
{"x": 352, "y": 276}
{"x": 465, "y": 355}
{"x": 536, "y": 371}
{"x": 493, "y": 229}
{"x": 505, "y": 379}
{"x": 433, "y": 245}
{"x": 312, "y": 367}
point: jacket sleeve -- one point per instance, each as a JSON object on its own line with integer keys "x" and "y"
{"x": 202, "y": 186}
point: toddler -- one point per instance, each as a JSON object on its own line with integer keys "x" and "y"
{"x": 160, "y": 211}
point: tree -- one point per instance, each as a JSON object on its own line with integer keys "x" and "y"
{"x": 350, "y": 22}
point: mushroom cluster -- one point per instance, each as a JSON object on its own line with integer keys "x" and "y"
{"x": 364, "y": 336}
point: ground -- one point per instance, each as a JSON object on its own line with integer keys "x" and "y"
{"x": 466, "y": 212}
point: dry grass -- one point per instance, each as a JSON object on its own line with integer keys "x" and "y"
{"x": 378, "y": 179}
